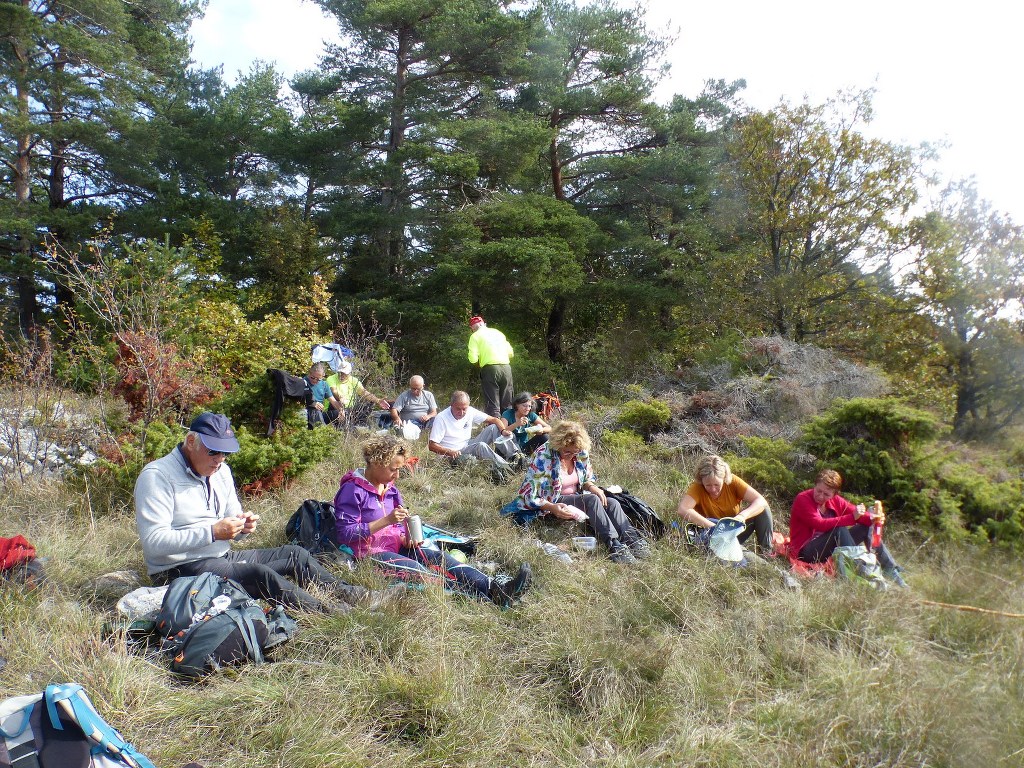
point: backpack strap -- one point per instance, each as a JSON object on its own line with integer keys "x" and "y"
{"x": 248, "y": 630}
{"x": 19, "y": 747}
{"x": 75, "y": 704}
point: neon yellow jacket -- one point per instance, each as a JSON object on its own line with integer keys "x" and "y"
{"x": 488, "y": 346}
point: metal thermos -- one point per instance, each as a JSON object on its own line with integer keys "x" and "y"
{"x": 414, "y": 526}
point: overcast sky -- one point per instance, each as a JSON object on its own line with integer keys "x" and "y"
{"x": 943, "y": 72}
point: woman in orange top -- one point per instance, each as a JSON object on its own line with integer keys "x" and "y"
{"x": 718, "y": 493}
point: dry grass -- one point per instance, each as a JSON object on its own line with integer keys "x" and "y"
{"x": 681, "y": 662}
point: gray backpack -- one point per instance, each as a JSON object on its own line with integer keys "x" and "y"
{"x": 209, "y": 622}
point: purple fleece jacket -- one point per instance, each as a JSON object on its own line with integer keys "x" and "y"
{"x": 358, "y": 504}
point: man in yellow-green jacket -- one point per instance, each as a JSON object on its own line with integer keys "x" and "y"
{"x": 489, "y": 349}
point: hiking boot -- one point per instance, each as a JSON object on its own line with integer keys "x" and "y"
{"x": 894, "y": 575}
{"x": 620, "y": 553}
{"x": 351, "y": 593}
{"x": 503, "y": 594}
{"x": 518, "y": 586}
{"x": 640, "y": 548}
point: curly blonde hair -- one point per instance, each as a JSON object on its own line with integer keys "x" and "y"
{"x": 569, "y": 435}
{"x": 380, "y": 450}
{"x": 714, "y": 466}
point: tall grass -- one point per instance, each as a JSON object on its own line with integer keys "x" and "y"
{"x": 678, "y": 662}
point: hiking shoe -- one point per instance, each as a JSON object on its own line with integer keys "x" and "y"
{"x": 620, "y": 553}
{"x": 351, "y": 593}
{"x": 894, "y": 575}
{"x": 518, "y": 586}
{"x": 640, "y": 548}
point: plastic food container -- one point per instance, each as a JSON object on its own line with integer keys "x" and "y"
{"x": 584, "y": 543}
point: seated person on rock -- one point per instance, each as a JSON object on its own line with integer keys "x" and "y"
{"x": 371, "y": 518}
{"x": 323, "y": 407}
{"x": 346, "y": 389}
{"x": 188, "y": 514}
{"x": 822, "y": 520}
{"x": 560, "y": 482}
{"x": 718, "y": 493}
{"x": 529, "y": 429}
{"x": 451, "y": 433}
{"x": 415, "y": 406}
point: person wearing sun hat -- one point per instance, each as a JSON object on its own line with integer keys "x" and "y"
{"x": 188, "y": 514}
{"x": 345, "y": 388}
{"x": 489, "y": 349}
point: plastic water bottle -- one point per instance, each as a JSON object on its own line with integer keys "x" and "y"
{"x": 553, "y": 551}
{"x": 876, "y": 527}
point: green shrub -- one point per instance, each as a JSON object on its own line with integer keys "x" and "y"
{"x": 767, "y": 466}
{"x": 645, "y": 418}
{"x": 285, "y": 455}
{"x": 622, "y": 441}
{"x": 886, "y": 423}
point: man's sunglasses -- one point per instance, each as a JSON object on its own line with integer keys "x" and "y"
{"x": 212, "y": 452}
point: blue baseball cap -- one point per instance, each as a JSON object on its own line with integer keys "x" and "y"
{"x": 214, "y": 429}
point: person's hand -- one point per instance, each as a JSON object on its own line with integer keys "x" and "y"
{"x": 384, "y": 404}
{"x": 398, "y": 515}
{"x": 398, "y": 422}
{"x": 599, "y": 492}
{"x": 319, "y": 406}
{"x": 505, "y": 433}
{"x": 423, "y": 420}
{"x": 227, "y": 528}
{"x": 249, "y": 521}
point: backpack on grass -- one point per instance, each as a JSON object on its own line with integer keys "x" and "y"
{"x": 311, "y": 527}
{"x": 60, "y": 728}
{"x": 209, "y": 622}
{"x": 857, "y": 564}
{"x": 639, "y": 512}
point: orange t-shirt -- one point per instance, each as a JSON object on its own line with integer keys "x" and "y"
{"x": 726, "y": 505}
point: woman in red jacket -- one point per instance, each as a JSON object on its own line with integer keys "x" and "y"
{"x": 822, "y": 520}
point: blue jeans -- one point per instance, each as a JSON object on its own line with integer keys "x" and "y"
{"x": 417, "y": 562}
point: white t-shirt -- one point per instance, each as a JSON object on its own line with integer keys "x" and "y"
{"x": 452, "y": 433}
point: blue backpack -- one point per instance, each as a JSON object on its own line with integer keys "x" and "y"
{"x": 60, "y": 728}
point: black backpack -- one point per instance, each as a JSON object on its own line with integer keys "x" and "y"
{"x": 639, "y": 513}
{"x": 312, "y": 528}
{"x": 209, "y": 621}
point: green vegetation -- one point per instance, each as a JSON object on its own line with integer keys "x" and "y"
{"x": 168, "y": 237}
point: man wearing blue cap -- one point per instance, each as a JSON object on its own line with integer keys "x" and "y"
{"x": 188, "y": 513}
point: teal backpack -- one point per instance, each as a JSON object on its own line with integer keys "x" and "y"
{"x": 60, "y": 728}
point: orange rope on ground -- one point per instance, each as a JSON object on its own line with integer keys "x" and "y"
{"x": 973, "y": 609}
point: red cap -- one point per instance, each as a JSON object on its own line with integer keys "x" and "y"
{"x": 475, "y": 320}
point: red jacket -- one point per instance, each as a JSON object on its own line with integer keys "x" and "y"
{"x": 805, "y": 522}
{"x": 14, "y": 551}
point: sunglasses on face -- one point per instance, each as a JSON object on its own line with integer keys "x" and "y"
{"x": 211, "y": 452}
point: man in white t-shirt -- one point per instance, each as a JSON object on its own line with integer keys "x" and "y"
{"x": 451, "y": 434}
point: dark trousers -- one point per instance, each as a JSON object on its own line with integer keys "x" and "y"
{"x": 496, "y": 385}
{"x": 533, "y": 444}
{"x": 415, "y": 562}
{"x": 609, "y": 523}
{"x": 819, "y": 549}
{"x": 265, "y": 573}
{"x": 760, "y": 526}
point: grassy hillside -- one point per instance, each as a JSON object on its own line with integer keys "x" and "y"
{"x": 678, "y": 662}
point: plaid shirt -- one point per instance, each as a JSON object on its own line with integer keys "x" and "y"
{"x": 542, "y": 481}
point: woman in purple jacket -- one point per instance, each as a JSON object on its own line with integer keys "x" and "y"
{"x": 370, "y": 519}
